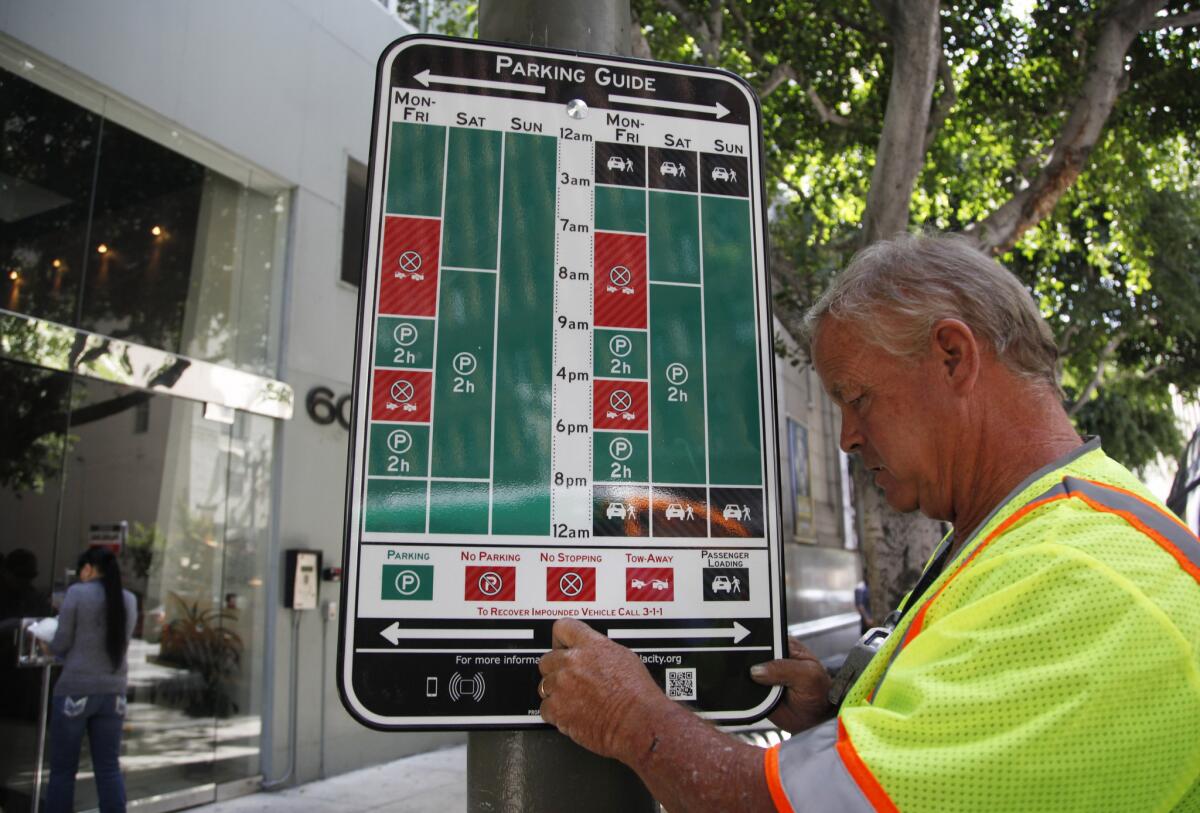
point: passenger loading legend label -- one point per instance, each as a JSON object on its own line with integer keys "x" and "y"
{"x": 564, "y": 401}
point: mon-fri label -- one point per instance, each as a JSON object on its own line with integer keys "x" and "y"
{"x": 563, "y": 392}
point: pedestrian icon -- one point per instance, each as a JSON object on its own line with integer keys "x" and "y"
{"x": 399, "y": 441}
{"x": 620, "y": 448}
{"x": 619, "y": 275}
{"x": 405, "y": 334}
{"x": 620, "y": 345}
{"x": 723, "y": 174}
{"x": 677, "y": 374}
{"x": 464, "y": 364}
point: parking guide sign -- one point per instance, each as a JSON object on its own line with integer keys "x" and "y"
{"x": 564, "y": 398}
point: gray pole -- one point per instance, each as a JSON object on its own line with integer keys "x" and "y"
{"x": 543, "y": 771}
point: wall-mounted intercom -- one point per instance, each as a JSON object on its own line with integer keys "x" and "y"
{"x": 301, "y": 577}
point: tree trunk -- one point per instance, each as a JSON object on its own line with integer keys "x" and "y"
{"x": 916, "y": 46}
{"x": 895, "y": 546}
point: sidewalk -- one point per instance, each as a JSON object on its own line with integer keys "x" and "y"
{"x": 425, "y": 783}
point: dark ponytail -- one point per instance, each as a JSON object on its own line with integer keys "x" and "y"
{"x": 103, "y": 561}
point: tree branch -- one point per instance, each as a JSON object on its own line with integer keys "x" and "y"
{"x": 945, "y": 102}
{"x": 780, "y": 74}
{"x": 1183, "y": 20}
{"x": 824, "y": 112}
{"x": 1105, "y": 353}
{"x": 1004, "y": 227}
{"x": 708, "y": 40}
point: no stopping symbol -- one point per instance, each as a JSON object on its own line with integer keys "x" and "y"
{"x": 410, "y": 261}
{"x": 402, "y": 391}
{"x": 571, "y": 584}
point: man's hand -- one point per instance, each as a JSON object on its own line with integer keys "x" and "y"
{"x": 596, "y": 691}
{"x": 806, "y": 699}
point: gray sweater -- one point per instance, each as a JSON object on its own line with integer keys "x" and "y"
{"x": 87, "y": 669}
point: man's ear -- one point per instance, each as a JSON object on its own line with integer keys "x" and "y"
{"x": 956, "y": 351}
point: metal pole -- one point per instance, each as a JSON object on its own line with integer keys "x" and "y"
{"x": 41, "y": 746}
{"x": 543, "y": 771}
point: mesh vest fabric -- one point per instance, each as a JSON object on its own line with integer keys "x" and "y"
{"x": 1058, "y": 669}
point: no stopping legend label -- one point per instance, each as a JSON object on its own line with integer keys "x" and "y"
{"x": 563, "y": 400}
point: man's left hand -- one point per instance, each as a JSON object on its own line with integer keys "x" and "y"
{"x": 596, "y": 691}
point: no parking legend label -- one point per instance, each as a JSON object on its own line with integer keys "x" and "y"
{"x": 564, "y": 402}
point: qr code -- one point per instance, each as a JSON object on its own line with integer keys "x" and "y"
{"x": 681, "y": 684}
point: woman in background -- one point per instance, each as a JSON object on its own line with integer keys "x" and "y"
{"x": 94, "y": 627}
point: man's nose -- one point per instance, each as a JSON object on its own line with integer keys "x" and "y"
{"x": 851, "y": 439}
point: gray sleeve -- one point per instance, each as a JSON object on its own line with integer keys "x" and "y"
{"x": 64, "y": 637}
{"x": 813, "y": 777}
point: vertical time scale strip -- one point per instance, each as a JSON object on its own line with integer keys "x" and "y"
{"x": 570, "y": 485}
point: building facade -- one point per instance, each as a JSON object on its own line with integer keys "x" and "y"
{"x": 179, "y": 217}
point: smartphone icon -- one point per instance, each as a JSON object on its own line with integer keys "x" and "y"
{"x": 431, "y": 686}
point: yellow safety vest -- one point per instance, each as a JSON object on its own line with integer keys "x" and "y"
{"x": 1054, "y": 665}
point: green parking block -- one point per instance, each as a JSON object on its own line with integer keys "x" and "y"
{"x": 395, "y": 506}
{"x": 620, "y": 209}
{"x": 620, "y": 457}
{"x": 619, "y": 353}
{"x": 414, "y": 171}
{"x": 407, "y": 583}
{"x": 404, "y": 342}
{"x": 398, "y": 451}
{"x": 731, "y": 351}
{"x": 458, "y": 508}
{"x": 677, "y": 385}
{"x": 674, "y": 243}
{"x": 462, "y": 391}
{"x": 472, "y": 215}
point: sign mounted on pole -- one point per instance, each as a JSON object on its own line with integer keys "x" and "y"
{"x": 564, "y": 396}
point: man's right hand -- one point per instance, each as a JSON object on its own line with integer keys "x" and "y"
{"x": 806, "y": 683}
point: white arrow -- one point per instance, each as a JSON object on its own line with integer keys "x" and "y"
{"x": 719, "y": 110}
{"x": 393, "y": 633}
{"x": 737, "y": 632}
{"x": 426, "y": 78}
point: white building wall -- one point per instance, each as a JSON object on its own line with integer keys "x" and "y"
{"x": 286, "y": 86}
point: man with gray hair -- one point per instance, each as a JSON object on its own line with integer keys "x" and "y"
{"x": 1049, "y": 656}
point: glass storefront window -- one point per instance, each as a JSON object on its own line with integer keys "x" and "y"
{"x": 194, "y": 497}
{"x": 111, "y": 231}
{"x": 48, "y": 150}
{"x": 110, "y": 224}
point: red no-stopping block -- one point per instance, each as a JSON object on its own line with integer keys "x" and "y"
{"x": 408, "y": 266}
{"x": 620, "y": 404}
{"x": 401, "y": 395}
{"x": 620, "y": 280}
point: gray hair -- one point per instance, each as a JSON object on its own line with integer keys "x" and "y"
{"x": 895, "y": 290}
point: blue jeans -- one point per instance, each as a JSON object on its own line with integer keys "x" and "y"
{"x": 102, "y": 716}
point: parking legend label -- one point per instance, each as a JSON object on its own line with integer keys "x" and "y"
{"x": 564, "y": 401}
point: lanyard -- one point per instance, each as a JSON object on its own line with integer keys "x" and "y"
{"x": 927, "y": 578}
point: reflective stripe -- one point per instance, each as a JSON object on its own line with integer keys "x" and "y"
{"x": 774, "y": 784}
{"x": 1170, "y": 534}
{"x": 812, "y": 774}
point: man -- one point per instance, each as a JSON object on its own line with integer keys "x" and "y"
{"x": 1050, "y": 657}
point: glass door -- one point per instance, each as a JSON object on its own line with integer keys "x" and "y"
{"x": 187, "y": 498}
